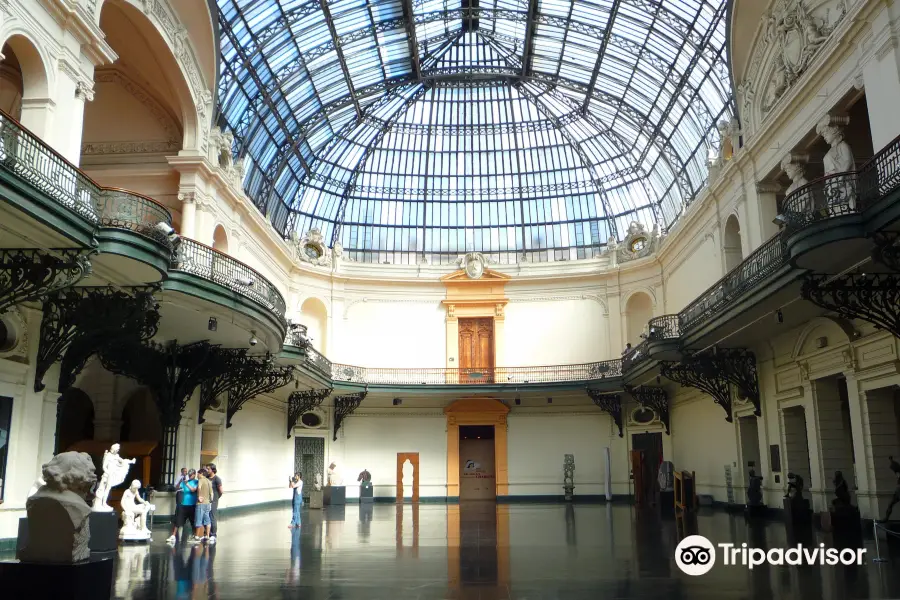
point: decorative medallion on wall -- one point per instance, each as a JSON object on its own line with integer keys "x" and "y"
{"x": 314, "y": 419}
{"x": 791, "y": 37}
{"x": 13, "y": 335}
{"x": 637, "y": 244}
{"x": 473, "y": 264}
{"x": 643, "y": 415}
{"x": 311, "y": 249}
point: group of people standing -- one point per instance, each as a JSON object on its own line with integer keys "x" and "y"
{"x": 197, "y": 496}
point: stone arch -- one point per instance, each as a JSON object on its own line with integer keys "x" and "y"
{"x": 314, "y": 314}
{"x": 34, "y": 102}
{"x": 831, "y": 326}
{"x": 732, "y": 248}
{"x": 141, "y": 423}
{"x": 75, "y": 422}
{"x": 638, "y": 312}
{"x": 220, "y": 239}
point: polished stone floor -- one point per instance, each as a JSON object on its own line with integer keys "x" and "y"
{"x": 480, "y": 551}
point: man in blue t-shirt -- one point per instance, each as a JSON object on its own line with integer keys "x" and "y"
{"x": 187, "y": 504}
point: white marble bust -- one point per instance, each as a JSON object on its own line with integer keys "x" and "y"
{"x": 58, "y": 524}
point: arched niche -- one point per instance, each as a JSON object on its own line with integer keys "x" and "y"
{"x": 314, "y": 315}
{"x": 638, "y": 311}
{"x": 25, "y": 84}
{"x": 220, "y": 239}
{"x": 731, "y": 242}
{"x": 141, "y": 423}
{"x": 76, "y": 419}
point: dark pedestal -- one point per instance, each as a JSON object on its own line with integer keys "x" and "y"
{"x": 22, "y": 540}
{"x": 335, "y": 495}
{"x": 797, "y": 513}
{"x": 104, "y": 532}
{"x": 92, "y": 580}
{"x": 366, "y": 494}
{"x": 667, "y": 503}
{"x": 755, "y": 511}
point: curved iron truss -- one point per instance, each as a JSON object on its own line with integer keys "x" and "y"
{"x": 413, "y": 129}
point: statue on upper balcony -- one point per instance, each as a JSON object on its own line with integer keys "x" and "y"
{"x": 839, "y": 158}
{"x": 792, "y": 165}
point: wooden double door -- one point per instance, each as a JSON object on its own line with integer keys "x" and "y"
{"x": 476, "y": 350}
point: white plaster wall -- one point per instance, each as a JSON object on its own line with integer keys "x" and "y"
{"x": 703, "y": 442}
{"x": 372, "y": 442}
{"x": 537, "y": 444}
{"x": 256, "y": 459}
{"x": 691, "y": 273}
{"x": 554, "y": 333}
{"x": 393, "y": 334}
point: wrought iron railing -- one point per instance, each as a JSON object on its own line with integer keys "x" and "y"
{"x": 199, "y": 259}
{"x": 318, "y": 362}
{"x": 121, "y": 209}
{"x": 470, "y": 376}
{"x": 762, "y": 263}
{"x": 880, "y": 175}
{"x": 635, "y": 356}
{"x": 27, "y": 157}
{"x": 664, "y": 327}
{"x": 830, "y": 196}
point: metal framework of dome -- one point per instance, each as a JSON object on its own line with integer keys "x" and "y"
{"x": 410, "y": 130}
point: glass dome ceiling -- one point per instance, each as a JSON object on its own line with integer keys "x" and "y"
{"x": 410, "y": 130}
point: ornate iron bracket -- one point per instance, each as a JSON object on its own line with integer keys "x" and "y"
{"x": 739, "y": 368}
{"x": 258, "y": 376}
{"x": 654, "y": 398}
{"x": 78, "y": 322}
{"x": 887, "y": 251}
{"x": 303, "y": 401}
{"x": 343, "y": 408}
{"x": 873, "y": 297}
{"x": 30, "y": 274}
{"x": 701, "y": 372}
{"x": 610, "y": 403}
{"x": 212, "y": 388}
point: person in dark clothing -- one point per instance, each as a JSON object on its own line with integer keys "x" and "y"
{"x": 217, "y": 493}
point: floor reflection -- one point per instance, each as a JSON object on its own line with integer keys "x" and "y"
{"x": 482, "y": 551}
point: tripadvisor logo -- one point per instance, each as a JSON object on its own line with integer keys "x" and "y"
{"x": 696, "y": 555}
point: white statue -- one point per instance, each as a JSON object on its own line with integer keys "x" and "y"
{"x": 317, "y": 482}
{"x": 115, "y": 469}
{"x": 839, "y": 158}
{"x": 38, "y": 484}
{"x": 408, "y": 479}
{"x": 793, "y": 168}
{"x": 334, "y": 476}
{"x": 58, "y": 524}
{"x": 134, "y": 514}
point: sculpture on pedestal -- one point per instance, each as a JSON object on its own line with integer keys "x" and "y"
{"x": 841, "y": 500}
{"x": 838, "y": 159}
{"x": 666, "y": 476}
{"x": 569, "y": 476}
{"x": 754, "y": 489}
{"x": 134, "y": 514}
{"x": 58, "y": 525}
{"x": 792, "y": 165}
{"x": 334, "y": 476}
{"x": 115, "y": 469}
{"x": 794, "y": 490}
{"x": 317, "y": 482}
{"x": 364, "y": 479}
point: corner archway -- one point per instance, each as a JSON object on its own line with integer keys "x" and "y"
{"x": 638, "y": 312}
{"x": 75, "y": 422}
{"x": 731, "y": 243}
{"x": 314, "y": 315}
{"x": 25, "y": 85}
{"x": 141, "y": 423}
{"x": 220, "y": 239}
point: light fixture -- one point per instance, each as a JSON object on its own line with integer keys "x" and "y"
{"x": 253, "y": 339}
{"x": 779, "y": 316}
{"x": 245, "y": 281}
{"x": 165, "y": 228}
{"x": 518, "y": 401}
{"x": 780, "y": 220}
{"x": 549, "y": 400}
{"x": 397, "y": 401}
{"x": 658, "y": 380}
{"x": 213, "y": 324}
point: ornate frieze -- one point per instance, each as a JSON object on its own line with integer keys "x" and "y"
{"x": 793, "y": 33}
{"x": 638, "y": 243}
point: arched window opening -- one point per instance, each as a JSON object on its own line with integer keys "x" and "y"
{"x": 76, "y": 419}
{"x": 638, "y": 311}
{"x": 24, "y": 86}
{"x": 734, "y": 253}
{"x": 141, "y": 423}
{"x": 314, "y": 315}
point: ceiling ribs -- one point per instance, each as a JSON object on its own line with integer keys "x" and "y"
{"x": 410, "y": 23}
{"x": 329, "y": 20}
{"x": 528, "y": 47}
{"x": 601, "y": 53}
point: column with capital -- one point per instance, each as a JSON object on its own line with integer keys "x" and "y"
{"x": 74, "y": 89}
{"x": 188, "y": 215}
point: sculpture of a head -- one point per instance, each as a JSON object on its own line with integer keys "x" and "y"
{"x": 114, "y": 448}
{"x": 135, "y": 485}
{"x": 70, "y": 471}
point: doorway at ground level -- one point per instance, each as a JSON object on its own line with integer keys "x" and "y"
{"x": 477, "y": 478}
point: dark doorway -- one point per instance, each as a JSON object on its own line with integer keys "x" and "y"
{"x": 477, "y": 477}
{"x": 646, "y": 456}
